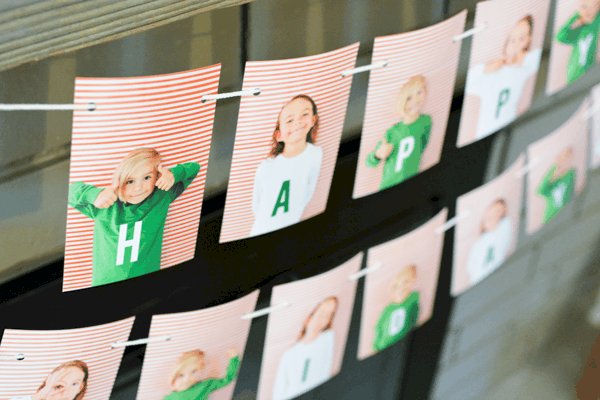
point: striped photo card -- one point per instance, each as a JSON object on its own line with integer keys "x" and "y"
{"x": 305, "y": 341}
{"x": 203, "y": 356}
{"x": 399, "y": 294}
{"x": 408, "y": 103}
{"x": 574, "y": 42}
{"x": 561, "y": 169}
{"x": 286, "y": 142}
{"x": 128, "y": 233}
{"x": 505, "y": 58}
{"x": 79, "y": 360}
{"x": 488, "y": 234}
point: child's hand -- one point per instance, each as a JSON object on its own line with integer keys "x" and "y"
{"x": 232, "y": 352}
{"x": 108, "y": 196}
{"x": 55, "y": 386}
{"x": 384, "y": 150}
{"x": 166, "y": 180}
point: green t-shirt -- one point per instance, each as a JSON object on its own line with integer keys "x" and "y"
{"x": 203, "y": 389}
{"x": 409, "y": 143}
{"x": 557, "y": 193}
{"x": 128, "y": 237}
{"x": 395, "y": 321}
{"x": 584, "y": 40}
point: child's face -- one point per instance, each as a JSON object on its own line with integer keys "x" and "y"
{"x": 415, "y": 97}
{"x": 321, "y": 317}
{"x": 588, "y": 9}
{"x": 563, "y": 161}
{"x": 492, "y": 216}
{"x": 67, "y": 385}
{"x": 188, "y": 376}
{"x": 140, "y": 184}
{"x": 402, "y": 287}
{"x": 518, "y": 40}
{"x": 295, "y": 121}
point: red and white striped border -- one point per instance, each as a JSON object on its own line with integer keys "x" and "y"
{"x": 203, "y": 330}
{"x": 163, "y": 112}
{"x": 285, "y": 325}
{"x": 429, "y": 52}
{"x": 46, "y": 350}
{"x": 317, "y": 76}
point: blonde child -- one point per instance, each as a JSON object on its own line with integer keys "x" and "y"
{"x": 581, "y": 32}
{"x": 68, "y": 381}
{"x": 186, "y": 377}
{"x": 557, "y": 185}
{"x": 285, "y": 182}
{"x": 308, "y": 363}
{"x": 401, "y": 314}
{"x": 499, "y": 84}
{"x": 490, "y": 250}
{"x": 403, "y": 144}
{"x": 130, "y": 214}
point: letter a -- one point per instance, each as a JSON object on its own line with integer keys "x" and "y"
{"x": 133, "y": 243}
{"x": 502, "y": 99}
{"x": 283, "y": 200}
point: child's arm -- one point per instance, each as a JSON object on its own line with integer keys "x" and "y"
{"x": 425, "y": 134}
{"x": 414, "y": 312}
{"x": 566, "y": 35}
{"x": 82, "y": 198}
{"x": 183, "y": 175}
{"x": 544, "y": 187}
{"x": 230, "y": 374}
{"x": 313, "y": 178}
{"x": 281, "y": 379}
{"x": 257, "y": 189}
{"x": 377, "y": 155}
{"x": 378, "y": 333}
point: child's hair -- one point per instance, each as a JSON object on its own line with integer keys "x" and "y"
{"x": 529, "y": 19}
{"x": 498, "y": 201}
{"x": 411, "y": 269}
{"x": 277, "y": 147}
{"x": 402, "y": 95}
{"x": 133, "y": 161}
{"x": 187, "y": 358}
{"x": 72, "y": 364}
{"x": 331, "y": 298}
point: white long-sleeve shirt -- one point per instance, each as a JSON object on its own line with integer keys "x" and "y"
{"x": 500, "y": 91}
{"x": 489, "y": 251}
{"x": 282, "y": 189}
{"x": 304, "y": 366}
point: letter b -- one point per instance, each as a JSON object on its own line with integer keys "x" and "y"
{"x": 133, "y": 243}
{"x": 405, "y": 149}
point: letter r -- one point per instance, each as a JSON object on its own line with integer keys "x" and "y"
{"x": 133, "y": 243}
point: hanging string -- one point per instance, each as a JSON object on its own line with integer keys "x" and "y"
{"x": 365, "y": 271}
{"x": 470, "y": 32}
{"x": 141, "y": 341}
{"x": 353, "y": 71}
{"x": 255, "y": 92}
{"x": 47, "y": 107}
{"x": 267, "y": 310}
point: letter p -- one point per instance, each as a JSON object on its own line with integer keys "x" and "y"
{"x": 405, "y": 149}
{"x": 502, "y": 100}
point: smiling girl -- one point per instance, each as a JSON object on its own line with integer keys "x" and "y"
{"x": 130, "y": 214}
{"x": 403, "y": 144}
{"x": 308, "y": 363}
{"x": 285, "y": 182}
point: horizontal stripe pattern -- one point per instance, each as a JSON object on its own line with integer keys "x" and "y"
{"x": 285, "y": 325}
{"x": 195, "y": 330}
{"x": 488, "y": 45}
{"x": 46, "y": 350}
{"x": 559, "y": 52}
{"x": 421, "y": 248}
{"x": 429, "y": 52}
{"x": 163, "y": 112}
{"x": 317, "y": 76}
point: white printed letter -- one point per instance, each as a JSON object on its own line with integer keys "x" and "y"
{"x": 584, "y": 46}
{"x": 558, "y": 194}
{"x": 405, "y": 149}
{"x": 133, "y": 243}
{"x": 397, "y": 321}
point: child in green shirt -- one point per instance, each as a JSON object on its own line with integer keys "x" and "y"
{"x": 403, "y": 144}
{"x": 581, "y": 32}
{"x": 130, "y": 214}
{"x": 186, "y": 381}
{"x": 398, "y": 317}
{"x": 557, "y": 185}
